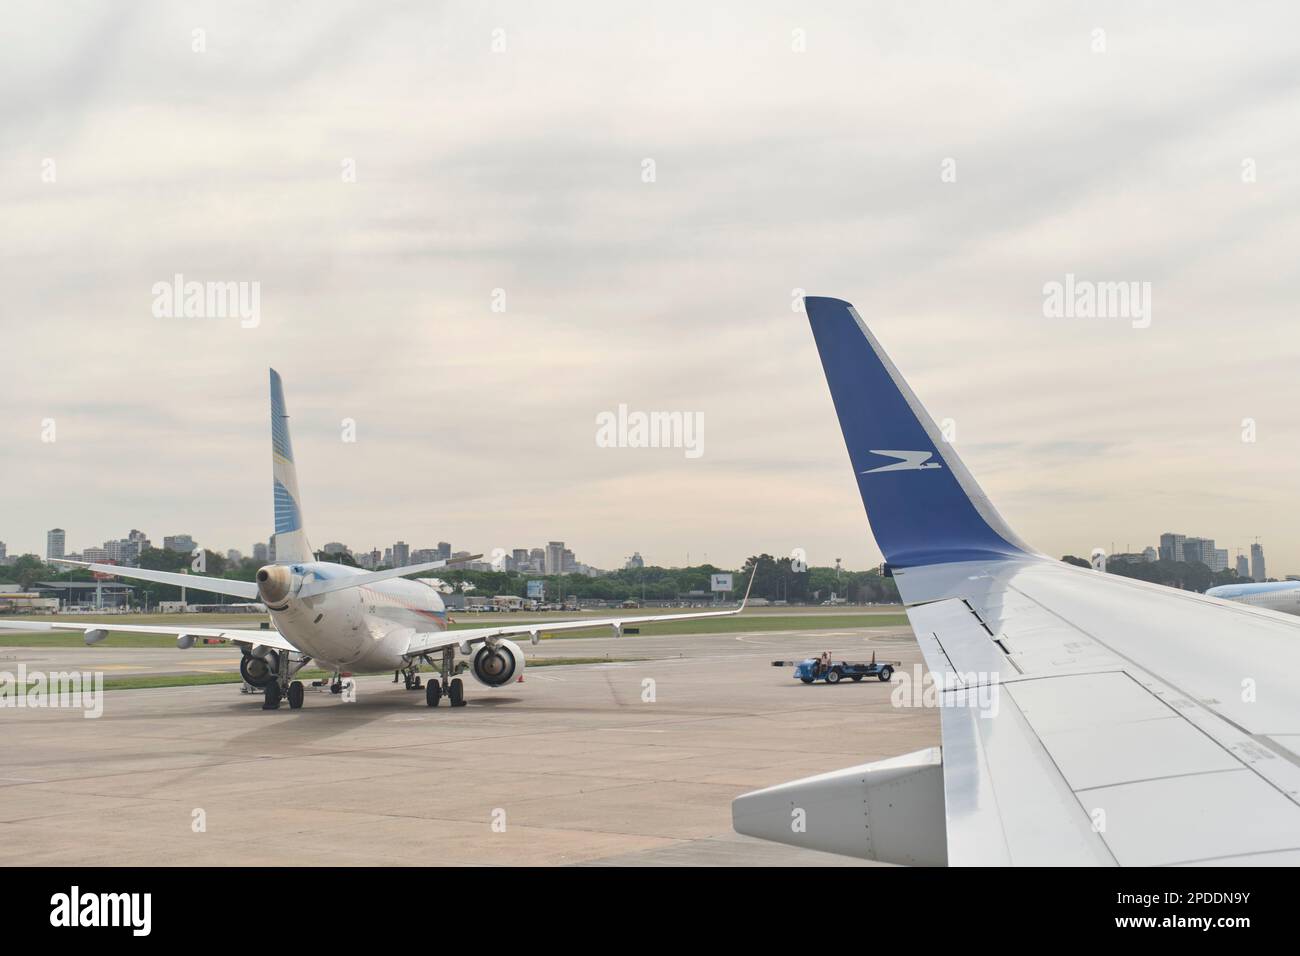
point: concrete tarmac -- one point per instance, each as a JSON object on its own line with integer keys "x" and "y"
{"x": 632, "y": 763}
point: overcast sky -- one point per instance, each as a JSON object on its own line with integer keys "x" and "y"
{"x": 794, "y": 146}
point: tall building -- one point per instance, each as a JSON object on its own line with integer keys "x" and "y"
{"x": 55, "y": 540}
{"x": 335, "y": 548}
{"x": 554, "y": 557}
{"x": 537, "y": 559}
{"x": 260, "y": 552}
{"x": 178, "y": 542}
{"x": 1203, "y": 551}
{"x": 1257, "y": 563}
{"x": 123, "y": 551}
{"x": 401, "y": 554}
{"x": 233, "y": 556}
{"x": 443, "y": 551}
{"x": 4, "y": 552}
{"x": 636, "y": 562}
{"x": 1243, "y": 567}
{"x": 1198, "y": 551}
{"x": 1149, "y": 554}
{"x": 1171, "y": 546}
{"x": 520, "y": 558}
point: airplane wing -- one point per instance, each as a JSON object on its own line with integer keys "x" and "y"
{"x": 96, "y": 630}
{"x": 1086, "y": 718}
{"x": 436, "y": 640}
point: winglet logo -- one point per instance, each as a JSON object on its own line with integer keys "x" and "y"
{"x": 907, "y": 461}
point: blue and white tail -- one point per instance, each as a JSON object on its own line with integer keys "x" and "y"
{"x": 291, "y": 545}
{"x": 923, "y": 505}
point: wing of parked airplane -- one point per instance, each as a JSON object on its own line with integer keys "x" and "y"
{"x": 1086, "y": 718}
{"x": 435, "y": 640}
{"x": 95, "y": 631}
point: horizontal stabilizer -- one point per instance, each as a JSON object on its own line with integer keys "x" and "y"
{"x": 326, "y": 585}
{"x": 244, "y": 589}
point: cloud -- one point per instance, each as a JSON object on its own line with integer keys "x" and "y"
{"x": 522, "y": 171}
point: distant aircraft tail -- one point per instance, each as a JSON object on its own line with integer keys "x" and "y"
{"x": 291, "y": 545}
{"x": 923, "y": 505}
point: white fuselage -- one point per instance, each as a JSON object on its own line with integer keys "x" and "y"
{"x": 1281, "y": 596}
{"x": 359, "y": 628}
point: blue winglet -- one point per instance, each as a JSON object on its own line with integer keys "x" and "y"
{"x": 923, "y": 505}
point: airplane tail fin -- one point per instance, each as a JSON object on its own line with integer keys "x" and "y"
{"x": 290, "y": 540}
{"x": 923, "y": 505}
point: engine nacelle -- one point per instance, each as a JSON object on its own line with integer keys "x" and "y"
{"x": 495, "y": 666}
{"x": 258, "y": 671}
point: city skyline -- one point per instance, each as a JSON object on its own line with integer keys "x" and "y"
{"x": 556, "y": 558}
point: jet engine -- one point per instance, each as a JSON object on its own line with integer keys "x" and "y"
{"x": 259, "y": 671}
{"x": 498, "y": 665}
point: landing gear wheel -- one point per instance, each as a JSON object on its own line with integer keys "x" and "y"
{"x": 296, "y": 693}
{"x": 833, "y": 677}
{"x": 432, "y": 693}
{"x": 418, "y": 684}
{"x": 456, "y": 692}
{"x": 271, "y": 696}
{"x": 406, "y": 678}
{"x": 885, "y": 674}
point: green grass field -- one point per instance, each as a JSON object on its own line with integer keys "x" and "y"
{"x": 764, "y": 619}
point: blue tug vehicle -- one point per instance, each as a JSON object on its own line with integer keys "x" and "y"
{"x": 832, "y": 671}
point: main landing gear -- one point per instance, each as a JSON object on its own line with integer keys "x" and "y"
{"x": 453, "y": 688}
{"x": 282, "y": 686}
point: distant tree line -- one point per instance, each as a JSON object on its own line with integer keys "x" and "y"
{"x": 1184, "y": 575}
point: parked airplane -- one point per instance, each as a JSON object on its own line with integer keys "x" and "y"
{"x": 340, "y": 617}
{"x": 1086, "y": 718}
{"x": 1281, "y": 596}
